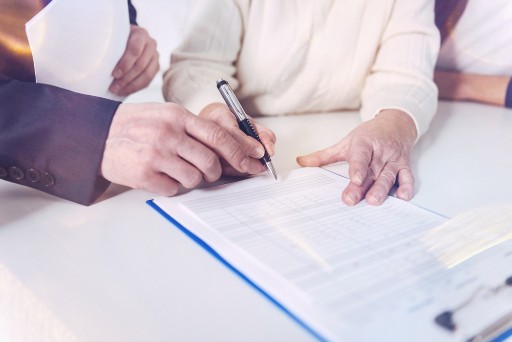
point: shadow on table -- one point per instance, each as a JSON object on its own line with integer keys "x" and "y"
{"x": 445, "y": 111}
{"x": 112, "y": 191}
{"x": 18, "y": 202}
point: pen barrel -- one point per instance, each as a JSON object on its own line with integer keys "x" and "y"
{"x": 248, "y": 129}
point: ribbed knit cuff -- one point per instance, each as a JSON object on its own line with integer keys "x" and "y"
{"x": 508, "y": 96}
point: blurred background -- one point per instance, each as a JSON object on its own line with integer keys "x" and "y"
{"x": 165, "y": 21}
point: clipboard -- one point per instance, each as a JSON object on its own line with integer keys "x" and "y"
{"x": 405, "y": 310}
{"x": 458, "y": 319}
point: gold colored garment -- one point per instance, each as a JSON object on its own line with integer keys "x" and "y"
{"x": 15, "y": 55}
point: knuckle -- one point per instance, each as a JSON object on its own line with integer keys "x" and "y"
{"x": 388, "y": 177}
{"x": 176, "y": 115}
{"x": 210, "y": 162}
{"x": 144, "y": 178}
{"x": 217, "y": 136}
{"x": 173, "y": 107}
{"x": 148, "y": 156}
{"x": 158, "y": 134}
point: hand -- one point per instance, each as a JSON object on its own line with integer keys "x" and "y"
{"x": 158, "y": 146}
{"x": 138, "y": 65}
{"x": 222, "y": 116}
{"x": 378, "y": 153}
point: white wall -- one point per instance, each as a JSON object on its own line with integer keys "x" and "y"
{"x": 165, "y": 21}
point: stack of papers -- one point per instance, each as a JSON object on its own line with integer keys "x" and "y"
{"x": 76, "y": 44}
{"x": 361, "y": 273}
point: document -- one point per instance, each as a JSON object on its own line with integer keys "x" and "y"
{"x": 76, "y": 44}
{"x": 361, "y": 273}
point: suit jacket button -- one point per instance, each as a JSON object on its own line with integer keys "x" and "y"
{"x": 3, "y": 172}
{"x": 47, "y": 179}
{"x": 33, "y": 175}
{"x": 16, "y": 173}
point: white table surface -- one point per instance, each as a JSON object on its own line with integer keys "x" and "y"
{"x": 117, "y": 270}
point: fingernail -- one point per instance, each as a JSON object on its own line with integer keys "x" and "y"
{"x": 271, "y": 149}
{"x": 405, "y": 195}
{"x": 117, "y": 73}
{"x": 350, "y": 199}
{"x": 375, "y": 198}
{"x": 259, "y": 152}
{"x": 301, "y": 160}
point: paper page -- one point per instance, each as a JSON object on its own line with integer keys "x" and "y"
{"x": 362, "y": 272}
{"x": 76, "y": 44}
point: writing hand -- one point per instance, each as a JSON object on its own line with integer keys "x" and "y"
{"x": 158, "y": 146}
{"x": 222, "y": 116}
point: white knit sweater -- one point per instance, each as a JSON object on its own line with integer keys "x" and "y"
{"x": 296, "y": 56}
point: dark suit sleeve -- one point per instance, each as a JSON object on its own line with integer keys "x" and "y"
{"x": 447, "y": 14}
{"x": 133, "y": 13}
{"x": 52, "y": 139}
{"x": 508, "y": 95}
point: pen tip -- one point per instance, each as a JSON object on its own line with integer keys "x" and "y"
{"x": 270, "y": 167}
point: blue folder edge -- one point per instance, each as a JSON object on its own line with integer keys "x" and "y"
{"x": 505, "y": 336}
{"x": 210, "y": 250}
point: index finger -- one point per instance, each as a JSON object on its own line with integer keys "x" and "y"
{"x": 267, "y": 137}
{"x": 219, "y": 140}
{"x": 134, "y": 48}
{"x": 222, "y": 116}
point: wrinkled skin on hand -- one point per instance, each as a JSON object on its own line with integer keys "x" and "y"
{"x": 221, "y": 115}
{"x": 160, "y": 146}
{"x": 378, "y": 153}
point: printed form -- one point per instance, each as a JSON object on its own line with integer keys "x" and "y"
{"x": 352, "y": 273}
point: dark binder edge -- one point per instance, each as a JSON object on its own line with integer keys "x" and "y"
{"x": 216, "y": 255}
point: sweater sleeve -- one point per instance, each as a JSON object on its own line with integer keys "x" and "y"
{"x": 208, "y": 52}
{"x": 53, "y": 139}
{"x": 402, "y": 74}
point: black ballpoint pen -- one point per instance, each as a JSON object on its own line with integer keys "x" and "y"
{"x": 243, "y": 120}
